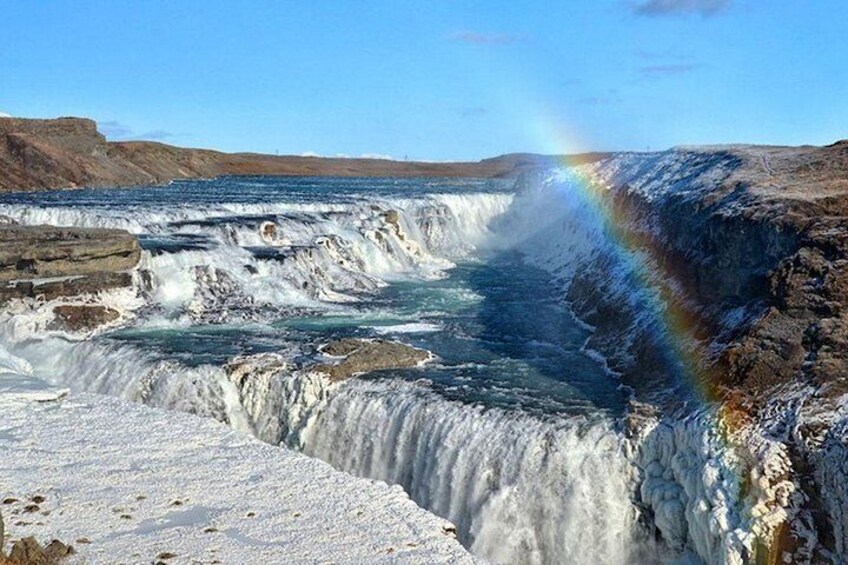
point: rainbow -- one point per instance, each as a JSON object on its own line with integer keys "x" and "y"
{"x": 679, "y": 329}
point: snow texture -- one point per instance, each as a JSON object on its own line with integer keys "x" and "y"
{"x": 138, "y": 482}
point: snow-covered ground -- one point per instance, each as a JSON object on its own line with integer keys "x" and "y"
{"x": 138, "y": 483}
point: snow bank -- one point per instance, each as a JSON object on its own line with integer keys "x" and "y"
{"x": 138, "y": 482}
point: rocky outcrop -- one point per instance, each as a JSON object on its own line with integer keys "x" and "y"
{"x": 364, "y": 356}
{"x": 742, "y": 253}
{"x": 50, "y": 262}
{"x": 70, "y": 153}
{"x": 748, "y": 248}
{"x": 83, "y": 317}
{"x": 27, "y": 551}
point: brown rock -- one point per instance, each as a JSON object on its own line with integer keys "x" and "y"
{"x": 52, "y": 289}
{"x": 362, "y": 356}
{"x": 392, "y": 217}
{"x": 48, "y": 261}
{"x": 342, "y": 347}
{"x": 269, "y": 230}
{"x": 33, "y": 252}
{"x": 56, "y": 551}
{"x": 28, "y": 551}
{"x": 83, "y": 317}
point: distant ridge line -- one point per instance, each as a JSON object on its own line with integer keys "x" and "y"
{"x": 68, "y": 152}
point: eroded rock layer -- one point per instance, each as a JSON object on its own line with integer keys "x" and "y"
{"x": 50, "y": 262}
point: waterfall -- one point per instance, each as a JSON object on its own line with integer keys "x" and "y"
{"x": 520, "y": 489}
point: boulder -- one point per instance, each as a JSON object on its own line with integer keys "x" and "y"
{"x": 392, "y": 217}
{"x": 28, "y": 551}
{"x": 83, "y": 317}
{"x": 363, "y": 356}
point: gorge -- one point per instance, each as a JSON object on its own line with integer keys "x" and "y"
{"x": 633, "y": 358}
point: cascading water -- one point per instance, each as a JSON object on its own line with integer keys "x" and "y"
{"x": 519, "y": 489}
{"x": 512, "y": 433}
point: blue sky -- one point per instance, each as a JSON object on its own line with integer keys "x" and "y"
{"x": 434, "y": 80}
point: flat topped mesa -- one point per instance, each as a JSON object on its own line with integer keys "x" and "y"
{"x": 55, "y": 126}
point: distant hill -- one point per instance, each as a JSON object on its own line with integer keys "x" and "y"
{"x": 71, "y": 153}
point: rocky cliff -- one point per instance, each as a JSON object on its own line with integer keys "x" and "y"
{"x": 716, "y": 280}
{"x": 49, "y": 262}
{"x": 747, "y": 245}
{"x": 70, "y": 153}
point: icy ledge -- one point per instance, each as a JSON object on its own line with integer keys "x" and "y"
{"x": 139, "y": 482}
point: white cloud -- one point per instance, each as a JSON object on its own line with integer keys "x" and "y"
{"x": 477, "y": 38}
{"x": 118, "y": 131}
{"x": 114, "y": 129}
{"x": 5, "y": 115}
{"x": 348, "y": 156}
{"x": 656, "y": 71}
{"x": 680, "y": 7}
{"x": 377, "y": 156}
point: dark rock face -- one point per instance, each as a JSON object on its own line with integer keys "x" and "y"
{"x": 50, "y": 262}
{"x": 52, "y": 289}
{"x": 362, "y": 356}
{"x": 83, "y": 317}
{"x": 755, "y": 261}
{"x": 750, "y": 261}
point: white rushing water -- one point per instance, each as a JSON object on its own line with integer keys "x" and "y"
{"x": 520, "y": 488}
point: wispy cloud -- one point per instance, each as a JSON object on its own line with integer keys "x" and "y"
{"x": 595, "y": 101}
{"x": 118, "y": 131}
{"x": 666, "y": 55}
{"x": 5, "y": 115}
{"x": 660, "y": 8}
{"x": 114, "y": 130}
{"x": 477, "y": 38}
{"x": 156, "y": 135}
{"x": 348, "y": 156}
{"x": 658, "y": 71}
{"x": 473, "y": 111}
{"x": 609, "y": 98}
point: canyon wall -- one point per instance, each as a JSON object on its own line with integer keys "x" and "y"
{"x": 714, "y": 280}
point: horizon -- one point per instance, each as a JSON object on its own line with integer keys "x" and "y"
{"x": 460, "y": 83}
{"x": 429, "y": 161}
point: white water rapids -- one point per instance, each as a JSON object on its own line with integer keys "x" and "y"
{"x": 521, "y": 489}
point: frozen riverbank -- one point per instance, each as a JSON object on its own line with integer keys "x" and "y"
{"x": 138, "y": 483}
